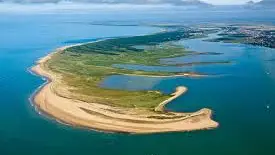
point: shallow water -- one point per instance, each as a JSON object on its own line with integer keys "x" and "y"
{"x": 237, "y": 58}
{"x": 239, "y": 99}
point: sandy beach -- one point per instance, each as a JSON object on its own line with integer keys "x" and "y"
{"x": 115, "y": 119}
{"x": 179, "y": 91}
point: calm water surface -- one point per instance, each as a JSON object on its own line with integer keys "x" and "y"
{"x": 238, "y": 99}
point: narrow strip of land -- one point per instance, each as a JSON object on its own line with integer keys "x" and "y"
{"x": 179, "y": 91}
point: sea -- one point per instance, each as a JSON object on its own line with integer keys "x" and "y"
{"x": 241, "y": 94}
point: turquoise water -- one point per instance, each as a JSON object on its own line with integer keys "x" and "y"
{"x": 238, "y": 99}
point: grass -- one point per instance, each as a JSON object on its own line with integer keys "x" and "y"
{"x": 83, "y": 67}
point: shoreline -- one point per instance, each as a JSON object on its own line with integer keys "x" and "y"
{"x": 107, "y": 118}
{"x": 179, "y": 91}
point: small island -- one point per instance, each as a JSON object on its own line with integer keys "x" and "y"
{"x": 73, "y": 94}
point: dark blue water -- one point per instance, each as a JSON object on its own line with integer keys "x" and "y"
{"x": 239, "y": 99}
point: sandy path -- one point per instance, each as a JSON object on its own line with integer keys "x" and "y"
{"x": 179, "y": 91}
{"x": 107, "y": 118}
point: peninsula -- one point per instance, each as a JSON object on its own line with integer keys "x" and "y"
{"x": 73, "y": 94}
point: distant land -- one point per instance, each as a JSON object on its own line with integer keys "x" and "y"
{"x": 261, "y": 4}
{"x": 143, "y": 2}
{"x": 187, "y": 4}
{"x": 266, "y": 3}
{"x": 259, "y": 35}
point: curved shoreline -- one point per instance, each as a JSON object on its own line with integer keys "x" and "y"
{"x": 114, "y": 119}
{"x": 179, "y": 91}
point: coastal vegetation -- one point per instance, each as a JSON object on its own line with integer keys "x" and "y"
{"x": 75, "y": 74}
{"x": 84, "y": 67}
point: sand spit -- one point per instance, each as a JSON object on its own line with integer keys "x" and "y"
{"x": 179, "y": 91}
{"x": 115, "y": 119}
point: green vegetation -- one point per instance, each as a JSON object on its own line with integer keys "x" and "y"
{"x": 84, "y": 67}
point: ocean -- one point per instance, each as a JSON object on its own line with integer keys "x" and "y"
{"x": 239, "y": 97}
